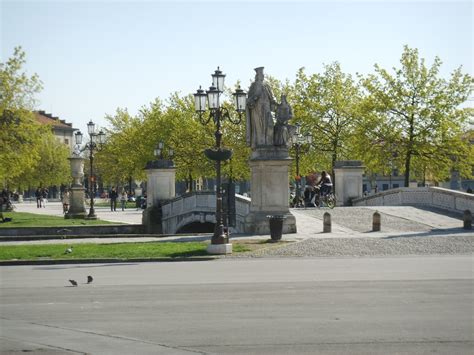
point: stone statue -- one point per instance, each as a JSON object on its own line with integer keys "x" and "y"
{"x": 283, "y": 114}
{"x": 77, "y": 151}
{"x": 260, "y": 104}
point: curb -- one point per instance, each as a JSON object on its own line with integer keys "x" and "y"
{"x": 102, "y": 261}
{"x": 27, "y": 238}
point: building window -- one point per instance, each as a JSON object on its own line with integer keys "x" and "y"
{"x": 396, "y": 186}
{"x": 66, "y": 141}
{"x": 384, "y": 187}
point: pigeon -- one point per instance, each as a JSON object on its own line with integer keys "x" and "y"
{"x": 73, "y": 282}
{"x": 89, "y": 279}
{"x": 68, "y": 250}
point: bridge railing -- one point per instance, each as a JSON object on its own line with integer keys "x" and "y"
{"x": 426, "y": 196}
{"x": 199, "y": 206}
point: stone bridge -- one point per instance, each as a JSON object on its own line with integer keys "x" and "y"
{"x": 451, "y": 200}
{"x": 197, "y": 208}
{"x": 195, "y": 212}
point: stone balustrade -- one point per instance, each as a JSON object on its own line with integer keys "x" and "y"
{"x": 199, "y": 206}
{"x": 438, "y": 197}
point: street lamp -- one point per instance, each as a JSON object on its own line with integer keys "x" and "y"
{"x": 299, "y": 141}
{"x": 218, "y": 114}
{"x": 158, "y": 151}
{"x": 96, "y": 140}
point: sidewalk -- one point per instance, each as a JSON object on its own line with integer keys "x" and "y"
{"x": 410, "y": 221}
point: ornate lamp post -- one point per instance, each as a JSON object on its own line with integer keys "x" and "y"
{"x": 96, "y": 140}
{"x": 218, "y": 114}
{"x": 299, "y": 141}
{"x": 158, "y": 152}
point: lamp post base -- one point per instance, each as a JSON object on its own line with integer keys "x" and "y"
{"x": 91, "y": 214}
{"x": 219, "y": 249}
{"x": 220, "y": 236}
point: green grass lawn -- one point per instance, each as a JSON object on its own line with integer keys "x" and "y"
{"x": 119, "y": 204}
{"x": 24, "y": 219}
{"x": 105, "y": 251}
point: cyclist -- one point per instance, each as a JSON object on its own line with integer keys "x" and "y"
{"x": 325, "y": 184}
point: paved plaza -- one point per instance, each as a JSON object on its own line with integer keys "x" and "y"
{"x": 405, "y": 290}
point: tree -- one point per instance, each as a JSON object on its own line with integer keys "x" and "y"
{"x": 20, "y": 134}
{"x": 123, "y": 154}
{"x": 53, "y": 168}
{"x": 415, "y": 116}
{"x": 326, "y": 106}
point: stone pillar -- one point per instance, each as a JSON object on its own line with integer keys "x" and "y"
{"x": 160, "y": 185}
{"x": 348, "y": 181}
{"x": 77, "y": 208}
{"x": 161, "y": 178}
{"x": 269, "y": 189}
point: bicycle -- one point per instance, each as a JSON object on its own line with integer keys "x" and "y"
{"x": 329, "y": 200}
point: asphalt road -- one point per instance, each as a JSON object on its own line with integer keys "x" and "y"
{"x": 401, "y": 305}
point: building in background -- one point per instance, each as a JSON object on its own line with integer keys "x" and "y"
{"x": 62, "y": 130}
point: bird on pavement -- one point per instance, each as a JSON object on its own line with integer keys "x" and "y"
{"x": 68, "y": 250}
{"x": 73, "y": 282}
{"x": 89, "y": 279}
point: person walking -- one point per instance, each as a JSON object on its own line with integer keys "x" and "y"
{"x": 123, "y": 199}
{"x": 44, "y": 196}
{"x": 38, "y": 196}
{"x": 66, "y": 199}
{"x": 113, "y": 195}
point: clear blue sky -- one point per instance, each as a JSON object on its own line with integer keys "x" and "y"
{"x": 95, "y": 56}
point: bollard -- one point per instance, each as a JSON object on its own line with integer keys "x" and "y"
{"x": 376, "y": 222}
{"x": 326, "y": 223}
{"x": 467, "y": 218}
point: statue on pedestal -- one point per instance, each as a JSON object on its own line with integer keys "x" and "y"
{"x": 260, "y": 105}
{"x": 283, "y": 131}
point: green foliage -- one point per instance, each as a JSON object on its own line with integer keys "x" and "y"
{"x": 20, "y": 134}
{"x": 326, "y": 106}
{"x": 51, "y": 167}
{"x": 123, "y": 154}
{"x": 414, "y": 118}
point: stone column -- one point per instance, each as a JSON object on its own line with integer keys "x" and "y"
{"x": 269, "y": 191}
{"x": 348, "y": 181}
{"x": 160, "y": 185}
{"x": 161, "y": 178}
{"x": 77, "y": 208}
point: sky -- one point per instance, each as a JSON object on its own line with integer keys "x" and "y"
{"x": 96, "y": 56}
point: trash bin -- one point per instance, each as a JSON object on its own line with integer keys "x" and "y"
{"x": 276, "y": 226}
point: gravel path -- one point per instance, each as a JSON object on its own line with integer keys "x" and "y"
{"x": 360, "y": 219}
{"x": 361, "y": 247}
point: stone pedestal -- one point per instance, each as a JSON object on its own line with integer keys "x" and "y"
{"x": 77, "y": 207}
{"x": 161, "y": 178}
{"x": 160, "y": 185}
{"x": 269, "y": 191}
{"x": 348, "y": 181}
{"x": 219, "y": 249}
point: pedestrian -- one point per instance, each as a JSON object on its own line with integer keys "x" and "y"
{"x": 44, "y": 196}
{"x": 38, "y": 196}
{"x": 309, "y": 196}
{"x": 66, "y": 199}
{"x": 113, "y": 199}
{"x": 123, "y": 199}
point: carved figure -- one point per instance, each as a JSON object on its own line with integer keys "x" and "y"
{"x": 260, "y": 104}
{"x": 282, "y": 130}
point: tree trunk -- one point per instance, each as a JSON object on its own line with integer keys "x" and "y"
{"x": 190, "y": 181}
{"x": 407, "y": 169}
